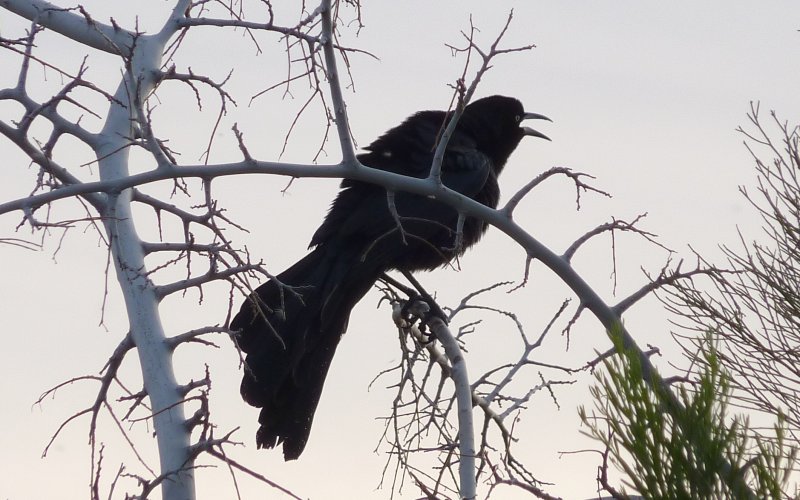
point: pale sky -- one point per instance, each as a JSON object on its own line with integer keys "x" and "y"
{"x": 645, "y": 96}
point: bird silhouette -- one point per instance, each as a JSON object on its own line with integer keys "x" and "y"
{"x": 290, "y": 328}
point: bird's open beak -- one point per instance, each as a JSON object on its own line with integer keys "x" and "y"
{"x": 532, "y": 132}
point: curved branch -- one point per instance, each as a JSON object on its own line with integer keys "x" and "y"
{"x": 527, "y": 188}
{"x": 614, "y": 225}
{"x": 464, "y": 397}
{"x": 79, "y": 27}
{"x": 177, "y": 286}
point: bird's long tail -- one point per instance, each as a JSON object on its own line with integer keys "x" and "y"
{"x": 290, "y": 335}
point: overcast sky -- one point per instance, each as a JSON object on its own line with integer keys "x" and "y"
{"x": 645, "y": 96}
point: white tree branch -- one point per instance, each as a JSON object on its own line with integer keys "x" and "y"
{"x": 339, "y": 107}
{"x": 466, "y": 428}
{"x": 79, "y": 27}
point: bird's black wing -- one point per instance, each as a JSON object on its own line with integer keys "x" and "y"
{"x": 361, "y": 210}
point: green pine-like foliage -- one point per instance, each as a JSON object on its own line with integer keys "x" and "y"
{"x": 677, "y": 453}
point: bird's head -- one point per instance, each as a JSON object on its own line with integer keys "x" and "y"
{"x": 496, "y": 125}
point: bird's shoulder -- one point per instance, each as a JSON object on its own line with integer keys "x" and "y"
{"x": 417, "y": 132}
{"x": 409, "y": 147}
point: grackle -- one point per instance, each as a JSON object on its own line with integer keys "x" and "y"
{"x": 290, "y": 335}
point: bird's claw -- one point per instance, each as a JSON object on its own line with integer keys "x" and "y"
{"x": 418, "y": 309}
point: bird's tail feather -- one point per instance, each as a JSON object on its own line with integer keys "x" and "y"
{"x": 290, "y": 336}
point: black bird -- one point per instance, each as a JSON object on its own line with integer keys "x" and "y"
{"x": 290, "y": 336}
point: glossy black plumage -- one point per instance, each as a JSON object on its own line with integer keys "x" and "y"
{"x": 356, "y": 243}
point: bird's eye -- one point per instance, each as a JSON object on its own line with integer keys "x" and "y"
{"x": 517, "y": 118}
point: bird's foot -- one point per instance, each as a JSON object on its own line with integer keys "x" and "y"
{"x": 420, "y": 306}
{"x": 422, "y": 310}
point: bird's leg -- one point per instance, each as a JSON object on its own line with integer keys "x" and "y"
{"x": 403, "y": 288}
{"x": 419, "y": 309}
{"x": 409, "y": 316}
{"x": 417, "y": 297}
{"x": 427, "y": 298}
{"x": 392, "y": 284}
